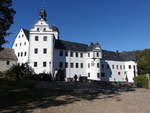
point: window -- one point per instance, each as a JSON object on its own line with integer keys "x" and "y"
{"x": 117, "y": 66}
{"x": 21, "y": 53}
{"x": 35, "y": 64}
{"x": 7, "y": 62}
{"x": 113, "y": 66}
{"x": 24, "y": 43}
{"x": 81, "y": 65}
{"x": 98, "y": 75}
{"x": 92, "y": 64}
{"x": 129, "y": 66}
{"x": 60, "y": 64}
{"x": 102, "y": 66}
{"x": 45, "y": 38}
{"x": 25, "y": 53}
{"x": 44, "y": 50}
{"x": 120, "y": 66}
{"x": 20, "y": 44}
{"x": 88, "y": 74}
{"x": 88, "y": 54}
{"x": 44, "y": 29}
{"x": 102, "y": 74}
{"x": 125, "y": 73}
{"x": 77, "y": 65}
{"x": 66, "y": 53}
{"x": 76, "y": 54}
{"x": 61, "y": 53}
{"x": 71, "y": 65}
{"x": 123, "y": 66}
{"x": 35, "y": 50}
{"x": 44, "y": 64}
{"x": 36, "y": 38}
{"x": 107, "y": 66}
{"x": 71, "y": 54}
{"x": 16, "y": 45}
{"x": 66, "y": 65}
{"x": 88, "y": 65}
{"x": 97, "y": 54}
{"x": 22, "y": 35}
{"x": 81, "y": 55}
{"x": 18, "y": 54}
{"x": 97, "y": 65}
{"x": 38, "y": 29}
{"x": 118, "y": 73}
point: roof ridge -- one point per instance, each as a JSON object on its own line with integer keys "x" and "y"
{"x": 74, "y": 42}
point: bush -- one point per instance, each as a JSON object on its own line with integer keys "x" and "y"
{"x": 141, "y": 81}
{"x": 45, "y": 77}
{"x": 83, "y": 79}
{"x": 9, "y": 74}
{"x": 1, "y": 74}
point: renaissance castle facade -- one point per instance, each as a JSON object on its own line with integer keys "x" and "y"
{"x": 42, "y": 48}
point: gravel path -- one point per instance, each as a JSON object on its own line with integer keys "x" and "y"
{"x": 137, "y": 101}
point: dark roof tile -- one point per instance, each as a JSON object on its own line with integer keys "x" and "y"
{"x": 73, "y": 46}
{"x": 26, "y": 33}
{"x": 118, "y": 56}
{"x": 7, "y": 53}
{"x": 106, "y": 55}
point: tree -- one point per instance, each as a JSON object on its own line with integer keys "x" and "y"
{"x": 143, "y": 60}
{"x": 6, "y": 19}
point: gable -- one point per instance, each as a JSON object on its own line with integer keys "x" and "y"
{"x": 23, "y": 36}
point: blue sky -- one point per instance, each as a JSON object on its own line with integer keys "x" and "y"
{"x": 116, "y": 24}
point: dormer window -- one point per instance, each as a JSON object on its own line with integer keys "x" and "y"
{"x": 38, "y": 29}
{"x": 44, "y": 29}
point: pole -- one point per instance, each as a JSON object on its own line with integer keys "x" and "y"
{"x": 148, "y": 77}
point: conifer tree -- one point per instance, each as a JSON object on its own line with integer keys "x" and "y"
{"x": 6, "y": 19}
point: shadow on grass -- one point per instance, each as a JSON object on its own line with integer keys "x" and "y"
{"x": 22, "y": 96}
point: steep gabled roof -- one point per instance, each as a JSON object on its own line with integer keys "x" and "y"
{"x": 7, "y": 53}
{"x": 26, "y": 32}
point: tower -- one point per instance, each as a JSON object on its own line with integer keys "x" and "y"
{"x": 41, "y": 45}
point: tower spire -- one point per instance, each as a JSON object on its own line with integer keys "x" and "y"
{"x": 43, "y": 14}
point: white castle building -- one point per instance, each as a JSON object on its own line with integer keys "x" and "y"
{"x": 43, "y": 50}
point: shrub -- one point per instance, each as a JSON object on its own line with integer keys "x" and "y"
{"x": 1, "y": 74}
{"x": 141, "y": 81}
{"x": 45, "y": 77}
{"x": 9, "y": 74}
